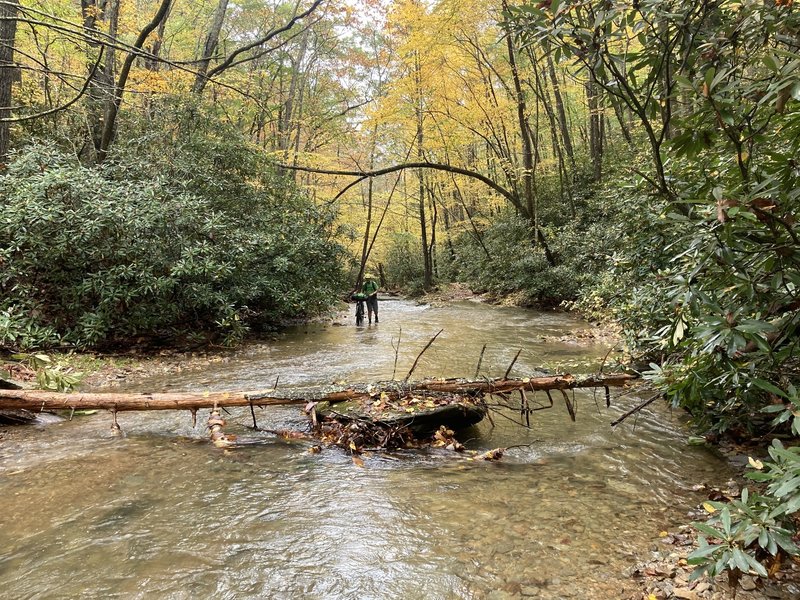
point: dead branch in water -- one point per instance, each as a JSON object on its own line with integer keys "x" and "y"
{"x": 428, "y": 345}
{"x": 636, "y": 409}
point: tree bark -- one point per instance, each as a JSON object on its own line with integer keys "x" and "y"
{"x": 210, "y": 47}
{"x": 8, "y": 71}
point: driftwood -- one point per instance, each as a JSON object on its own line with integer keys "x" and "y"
{"x": 38, "y": 400}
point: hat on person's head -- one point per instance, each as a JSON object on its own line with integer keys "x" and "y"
{"x": 369, "y": 276}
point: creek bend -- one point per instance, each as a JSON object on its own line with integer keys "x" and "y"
{"x": 162, "y": 513}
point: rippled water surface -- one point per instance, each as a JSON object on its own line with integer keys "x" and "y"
{"x": 160, "y": 513}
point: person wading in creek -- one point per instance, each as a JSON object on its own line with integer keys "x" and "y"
{"x": 370, "y": 290}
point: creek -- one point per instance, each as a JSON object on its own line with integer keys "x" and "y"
{"x": 161, "y": 513}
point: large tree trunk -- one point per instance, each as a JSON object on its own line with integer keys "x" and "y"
{"x": 8, "y": 70}
{"x": 38, "y": 400}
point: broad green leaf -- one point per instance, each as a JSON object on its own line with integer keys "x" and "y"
{"x": 768, "y": 387}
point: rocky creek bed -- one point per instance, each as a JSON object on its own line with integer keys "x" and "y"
{"x": 659, "y": 572}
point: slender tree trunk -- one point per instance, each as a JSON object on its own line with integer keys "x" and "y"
{"x": 109, "y": 127}
{"x": 290, "y": 106}
{"x": 557, "y": 151}
{"x": 368, "y": 225}
{"x": 566, "y": 137}
{"x": 595, "y": 128}
{"x": 448, "y": 240}
{"x": 210, "y": 47}
{"x": 94, "y": 11}
{"x": 434, "y": 218}
{"x": 667, "y": 100}
{"x": 623, "y": 126}
{"x": 427, "y": 280}
{"x": 524, "y": 132}
{"x": 110, "y": 66}
{"x": 9, "y": 73}
{"x": 152, "y": 63}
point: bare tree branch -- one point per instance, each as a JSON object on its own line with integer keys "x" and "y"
{"x": 511, "y": 197}
{"x": 64, "y": 106}
{"x": 228, "y": 62}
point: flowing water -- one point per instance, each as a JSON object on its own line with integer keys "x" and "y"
{"x": 161, "y": 513}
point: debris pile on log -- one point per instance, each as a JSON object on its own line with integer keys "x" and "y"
{"x": 422, "y": 412}
{"x": 390, "y": 420}
{"x": 385, "y": 415}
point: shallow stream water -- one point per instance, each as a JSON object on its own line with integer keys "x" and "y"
{"x": 161, "y": 513}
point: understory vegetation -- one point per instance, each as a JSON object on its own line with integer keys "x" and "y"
{"x": 190, "y": 232}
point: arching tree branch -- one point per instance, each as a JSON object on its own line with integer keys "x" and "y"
{"x": 361, "y": 174}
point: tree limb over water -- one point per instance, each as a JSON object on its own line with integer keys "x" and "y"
{"x": 38, "y": 400}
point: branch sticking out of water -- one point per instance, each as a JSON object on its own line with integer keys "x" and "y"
{"x": 636, "y": 409}
{"x": 511, "y": 366}
{"x": 428, "y": 345}
{"x": 480, "y": 360}
{"x": 396, "y": 352}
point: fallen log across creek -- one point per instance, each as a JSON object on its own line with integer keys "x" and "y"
{"x": 41, "y": 400}
{"x": 382, "y": 415}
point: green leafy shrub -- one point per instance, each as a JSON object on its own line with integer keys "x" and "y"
{"x": 505, "y": 261}
{"x": 208, "y": 238}
{"x": 709, "y": 277}
{"x": 403, "y": 264}
{"x": 742, "y": 535}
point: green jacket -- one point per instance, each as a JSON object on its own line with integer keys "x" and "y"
{"x": 369, "y": 287}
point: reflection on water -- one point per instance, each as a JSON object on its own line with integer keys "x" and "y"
{"x": 160, "y": 513}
